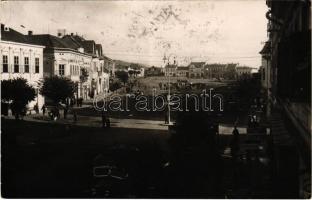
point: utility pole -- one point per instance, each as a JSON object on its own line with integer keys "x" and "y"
{"x": 168, "y": 97}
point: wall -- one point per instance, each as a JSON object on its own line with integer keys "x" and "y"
{"x": 12, "y": 49}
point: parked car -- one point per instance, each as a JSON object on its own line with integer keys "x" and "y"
{"x": 110, "y": 178}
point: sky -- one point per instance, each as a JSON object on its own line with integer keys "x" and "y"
{"x": 221, "y": 31}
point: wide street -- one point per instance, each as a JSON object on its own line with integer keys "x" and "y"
{"x": 156, "y": 99}
{"x": 62, "y": 152}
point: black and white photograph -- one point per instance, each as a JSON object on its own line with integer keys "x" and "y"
{"x": 155, "y": 99}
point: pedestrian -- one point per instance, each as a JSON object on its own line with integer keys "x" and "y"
{"x": 23, "y": 113}
{"x": 103, "y": 119}
{"x": 107, "y": 122}
{"x": 36, "y": 108}
{"x": 75, "y": 116}
{"x": 166, "y": 116}
{"x": 254, "y": 120}
{"x": 65, "y": 112}
{"x": 235, "y": 143}
{"x": 43, "y": 108}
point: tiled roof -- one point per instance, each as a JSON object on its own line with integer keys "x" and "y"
{"x": 76, "y": 41}
{"x": 89, "y": 46}
{"x": 50, "y": 41}
{"x": 13, "y": 36}
{"x": 182, "y": 68}
{"x": 197, "y": 64}
{"x": 243, "y": 67}
{"x": 171, "y": 66}
{"x": 71, "y": 42}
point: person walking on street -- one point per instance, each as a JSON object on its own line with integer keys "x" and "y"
{"x": 107, "y": 122}
{"x": 43, "y": 108}
{"x": 235, "y": 142}
{"x": 65, "y": 112}
{"x": 75, "y": 116}
{"x": 36, "y": 108}
{"x": 103, "y": 120}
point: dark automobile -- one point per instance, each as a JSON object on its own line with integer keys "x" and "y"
{"x": 110, "y": 180}
{"x": 114, "y": 172}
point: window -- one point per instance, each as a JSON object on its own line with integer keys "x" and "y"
{"x": 37, "y": 65}
{"x": 26, "y": 65}
{"x": 5, "y": 67}
{"x": 61, "y": 70}
{"x": 16, "y": 64}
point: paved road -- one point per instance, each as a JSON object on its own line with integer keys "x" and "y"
{"x": 94, "y": 121}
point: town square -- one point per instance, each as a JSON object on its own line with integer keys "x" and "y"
{"x": 156, "y": 99}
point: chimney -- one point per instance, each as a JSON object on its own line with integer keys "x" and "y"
{"x": 61, "y": 32}
{"x": 6, "y": 28}
{"x": 30, "y": 32}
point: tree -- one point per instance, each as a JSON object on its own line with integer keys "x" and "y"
{"x": 18, "y": 93}
{"x": 114, "y": 86}
{"x": 134, "y": 66}
{"x": 57, "y": 88}
{"x": 123, "y": 76}
{"x": 131, "y": 72}
{"x": 194, "y": 148}
{"x": 247, "y": 87}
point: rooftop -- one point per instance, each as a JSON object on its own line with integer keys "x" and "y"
{"x": 9, "y": 34}
{"x": 183, "y": 68}
{"x": 50, "y": 41}
{"x": 197, "y": 64}
{"x": 171, "y": 66}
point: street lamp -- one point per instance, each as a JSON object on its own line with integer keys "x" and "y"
{"x": 169, "y": 74}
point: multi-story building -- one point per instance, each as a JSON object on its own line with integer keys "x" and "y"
{"x": 170, "y": 70}
{"x": 183, "y": 71}
{"x": 243, "y": 71}
{"x": 214, "y": 71}
{"x": 196, "y": 69}
{"x": 109, "y": 65}
{"x": 62, "y": 59}
{"x": 19, "y": 57}
{"x": 153, "y": 71}
{"x": 98, "y": 77}
{"x": 289, "y": 32}
{"x": 265, "y": 69}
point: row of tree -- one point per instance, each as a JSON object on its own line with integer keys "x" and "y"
{"x": 18, "y": 93}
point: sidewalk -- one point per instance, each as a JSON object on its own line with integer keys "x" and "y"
{"x": 92, "y": 121}
{"x": 248, "y": 176}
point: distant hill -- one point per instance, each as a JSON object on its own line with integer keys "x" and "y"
{"x": 121, "y": 63}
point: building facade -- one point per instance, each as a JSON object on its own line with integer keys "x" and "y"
{"x": 170, "y": 70}
{"x": 265, "y": 69}
{"x": 62, "y": 60}
{"x": 20, "y": 58}
{"x": 289, "y": 56}
{"x": 182, "y": 71}
{"x": 243, "y": 71}
{"x": 196, "y": 69}
{"x": 214, "y": 71}
{"x": 153, "y": 71}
